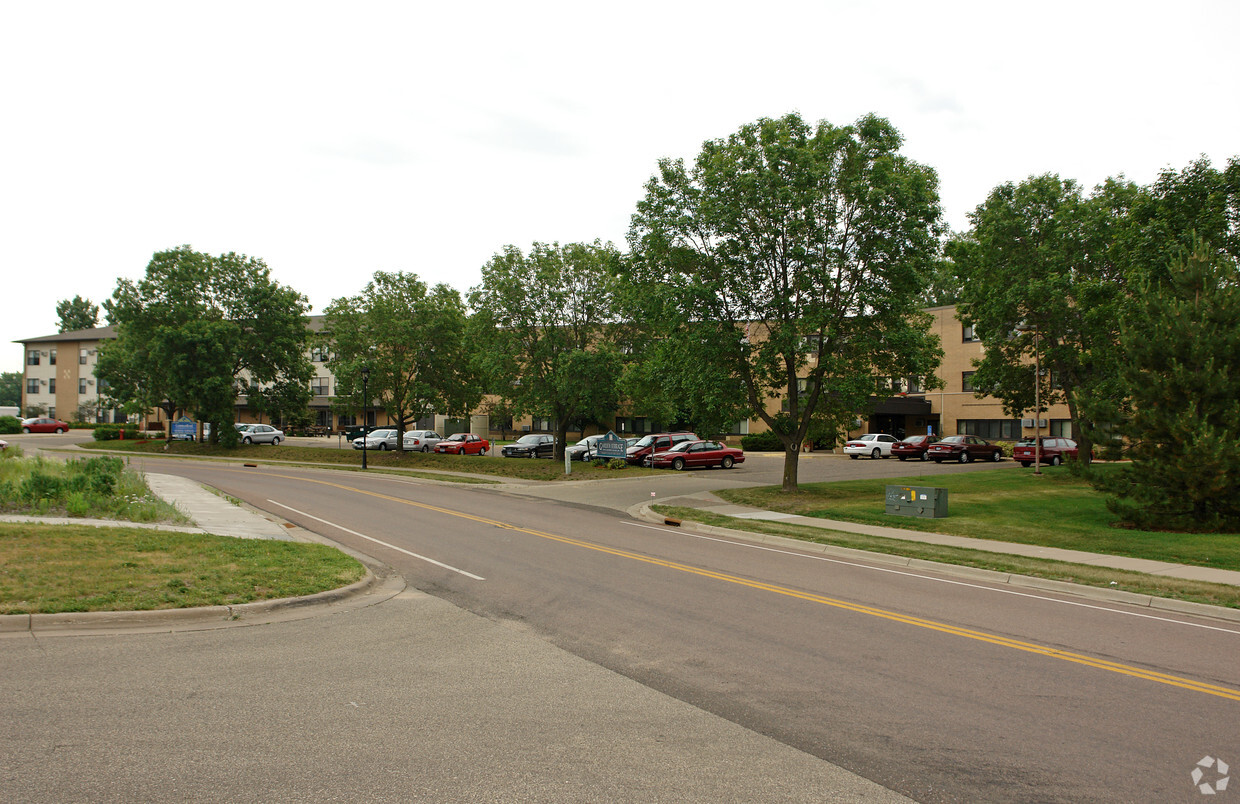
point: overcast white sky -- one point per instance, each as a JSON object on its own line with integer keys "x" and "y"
{"x": 333, "y": 140}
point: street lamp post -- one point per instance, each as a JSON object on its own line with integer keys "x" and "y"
{"x": 365, "y": 405}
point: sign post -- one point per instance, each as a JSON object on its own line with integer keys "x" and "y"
{"x": 611, "y": 446}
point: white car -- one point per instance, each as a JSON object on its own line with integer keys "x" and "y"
{"x": 261, "y": 434}
{"x": 876, "y": 445}
{"x": 377, "y": 439}
{"x": 421, "y": 440}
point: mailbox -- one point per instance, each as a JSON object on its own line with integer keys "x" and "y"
{"x": 922, "y": 501}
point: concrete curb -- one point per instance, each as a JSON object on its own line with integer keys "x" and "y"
{"x": 374, "y": 588}
{"x": 642, "y": 511}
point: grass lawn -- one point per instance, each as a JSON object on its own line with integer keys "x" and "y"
{"x": 520, "y": 468}
{"x": 1056, "y": 510}
{"x": 56, "y": 568}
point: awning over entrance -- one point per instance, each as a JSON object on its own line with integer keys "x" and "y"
{"x": 901, "y": 406}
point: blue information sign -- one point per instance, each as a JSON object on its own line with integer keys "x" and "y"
{"x": 184, "y": 427}
{"x": 611, "y": 446}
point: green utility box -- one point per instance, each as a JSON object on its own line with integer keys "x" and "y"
{"x": 922, "y": 501}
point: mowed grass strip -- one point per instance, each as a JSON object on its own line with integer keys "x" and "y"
{"x": 1140, "y": 583}
{"x": 518, "y": 468}
{"x": 78, "y": 568}
{"x": 1008, "y": 505}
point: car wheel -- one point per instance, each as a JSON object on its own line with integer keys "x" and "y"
{"x": 925, "y": 456}
{"x": 964, "y": 457}
{"x": 726, "y": 463}
{"x": 25, "y": 429}
{"x": 1055, "y": 461}
{"x": 425, "y": 448}
{"x": 275, "y": 442}
{"x": 875, "y": 454}
{"x": 247, "y": 440}
{"x": 678, "y": 464}
{"x": 997, "y": 456}
{"x": 59, "y": 430}
{"x": 383, "y": 446}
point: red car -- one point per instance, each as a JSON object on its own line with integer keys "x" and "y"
{"x": 1054, "y": 451}
{"x": 655, "y": 442}
{"x": 917, "y": 446}
{"x": 463, "y": 444}
{"x": 965, "y": 448}
{"x": 44, "y": 425}
{"x": 689, "y": 454}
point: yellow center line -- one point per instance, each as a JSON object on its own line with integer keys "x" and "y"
{"x": 981, "y": 636}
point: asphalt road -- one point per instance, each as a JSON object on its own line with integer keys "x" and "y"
{"x": 939, "y": 689}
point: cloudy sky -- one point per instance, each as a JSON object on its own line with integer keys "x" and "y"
{"x": 333, "y": 140}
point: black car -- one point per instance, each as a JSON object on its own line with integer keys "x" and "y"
{"x": 533, "y": 445}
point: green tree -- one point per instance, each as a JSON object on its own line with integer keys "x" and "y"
{"x": 412, "y": 340}
{"x": 77, "y": 313}
{"x": 194, "y": 325}
{"x": 541, "y": 331}
{"x": 1179, "y": 348}
{"x": 1040, "y": 283}
{"x": 11, "y": 388}
{"x": 790, "y": 257}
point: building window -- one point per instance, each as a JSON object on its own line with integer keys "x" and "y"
{"x": 51, "y": 385}
{"x": 82, "y": 357}
{"x": 52, "y": 358}
{"x": 320, "y": 386}
{"x": 318, "y": 354}
{"x": 969, "y": 334}
{"x": 32, "y": 357}
{"x": 103, "y": 385}
{"x": 992, "y": 429}
{"x": 1061, "y": 428}
{"x": 32, "y": 386}
{"x": 346, "y": 420}
{"x": 82, "y": 386}
{"x": 51, "y": 412}
{"x": 966, "y": 380}
{"x": 914, "y": 385}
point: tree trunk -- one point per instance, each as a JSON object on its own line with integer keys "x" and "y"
{"x": 792, "y": 454}
{"x": 561, "y": 437}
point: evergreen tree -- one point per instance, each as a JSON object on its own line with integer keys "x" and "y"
{"x": 1180, "y": 368}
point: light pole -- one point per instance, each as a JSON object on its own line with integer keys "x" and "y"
{"x": 365, "y": 404}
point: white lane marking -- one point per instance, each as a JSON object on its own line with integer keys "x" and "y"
{"x": 937, "y": 580}
{"x": 377, "y": 541}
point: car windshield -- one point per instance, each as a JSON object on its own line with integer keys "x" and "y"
{"x": 457, "y": 437}
{"x": 914, "y": 440}
{"x": 381, "y": 433}
{"x": 953, "y": 440}
{"x": 1026, "y": 442}
{"x": 529, "y": 439}
{"x": 683, "y": 446}
{"x": 644, "y": 441}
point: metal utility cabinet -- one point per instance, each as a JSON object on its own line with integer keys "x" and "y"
{"x": 922, "y": 501}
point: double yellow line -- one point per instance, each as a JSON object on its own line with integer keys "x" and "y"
{"x": 981, "y": 636}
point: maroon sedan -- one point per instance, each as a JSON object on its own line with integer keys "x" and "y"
{"x": 463, "y": 444}
{"x": 965, "y": 448}
{"x": 917, "y": 446}
{"x": 43, "y": 424}
{"x": 1054, "y": 451}
{"x": 690, "y": 454}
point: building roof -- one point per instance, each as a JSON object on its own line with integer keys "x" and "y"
{"x": 95, "y": 334}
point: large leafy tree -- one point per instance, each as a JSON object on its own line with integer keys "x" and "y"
{"x": 411, "y": 338}
{"x": 77, "y": 313}
{"x": 11, "y": 388}
{"x": 1179, "y": 347}
{"x": 542, "y": 329}
{"x": 192, "y": 326}
{"x": 1041, "y": 285}
{"x": 790, "y": 257}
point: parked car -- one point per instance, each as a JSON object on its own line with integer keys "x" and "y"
{"x": 531, "y": 445}
{"x": 965, "y": 448}
{"x": 583, "y": 450}
{"x": 355, "y": 432}
{"x": 261, "y": 434}
{"x": 875, "y": 445}
{"x": 655, "y": 442}
{"x": 1054, "y": 451}
{"x": 917, "y": 446}
{"x": 692, "y": 454}
{"x": 42, "y": 424}
{"x": 421, "y": 440}
{"x": 463, "y": 444}
{"x": 382, "y": 439}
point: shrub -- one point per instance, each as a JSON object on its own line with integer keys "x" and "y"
{"x": 617, "y": 463}
{"x": 10, "y": 424}
{"x": 767, "y": 441}
{"x": 111, "y": 432}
